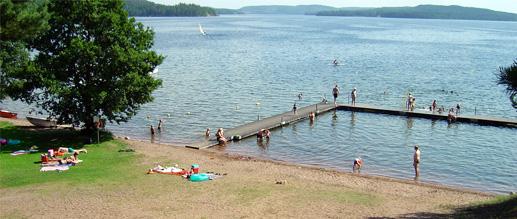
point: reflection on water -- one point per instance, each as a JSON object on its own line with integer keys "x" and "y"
{"x": 263, "y": 146}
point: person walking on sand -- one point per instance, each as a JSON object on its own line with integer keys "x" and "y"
{"x": 416, "y": 161}
{"x": 335, "y": 92}
{"x": 354, "y": 95}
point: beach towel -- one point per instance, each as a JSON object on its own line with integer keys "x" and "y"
{"x": 52, "y": 168}
{"x": 23, "y": 152}
{"x": 170, "y": 170}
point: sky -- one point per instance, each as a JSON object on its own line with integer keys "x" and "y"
{"x": 496, "y": 5}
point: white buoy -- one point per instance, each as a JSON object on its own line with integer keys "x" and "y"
{"x": 236, "y": 107}
{"x": 188, "y": 113}
{"x": 168, "y": 115}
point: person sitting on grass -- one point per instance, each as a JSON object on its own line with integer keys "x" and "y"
{"x": 68, "y": 160}
{"x": 71, "y": 150}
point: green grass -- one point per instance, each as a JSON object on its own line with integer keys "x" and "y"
{"x": 102, "y": 162}
{"x": 499, "y": 207}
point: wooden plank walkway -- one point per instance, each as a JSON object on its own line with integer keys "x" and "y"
{"x": 482, "y": 120}
{"x": 276, "y": 121}
{"x": 279, "y": 120}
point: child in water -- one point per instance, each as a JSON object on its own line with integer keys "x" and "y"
{"x": 357, "y": 163}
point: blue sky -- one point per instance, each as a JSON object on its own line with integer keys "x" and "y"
{"x": 497, "y": 5}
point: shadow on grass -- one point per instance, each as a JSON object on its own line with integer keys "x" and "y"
{"x": 500, "y": 207}
{"x": 47, "y": 138}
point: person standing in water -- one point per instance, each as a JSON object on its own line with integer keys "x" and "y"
{"x": 416, "y": 161}
{"x": 152, "y": 130}
{"x": 335, "y": 92}
{"x": 160, "y": 124}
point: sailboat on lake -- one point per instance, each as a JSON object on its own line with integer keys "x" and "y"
{"x": 201, "y": 29}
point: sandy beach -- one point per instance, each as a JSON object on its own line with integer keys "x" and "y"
{"x": 310, "y": 192}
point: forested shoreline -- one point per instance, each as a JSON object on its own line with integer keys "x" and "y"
{"x": 139, "y": 8}
{"x": 426, "y": 12}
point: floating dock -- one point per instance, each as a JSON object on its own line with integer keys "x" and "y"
{"x": 279, "y": 120}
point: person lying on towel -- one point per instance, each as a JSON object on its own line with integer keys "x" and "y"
{"x": 70, "y": 150}
{"x": 68, "y": 160}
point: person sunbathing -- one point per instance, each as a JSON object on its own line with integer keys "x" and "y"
{"x": 71, "y": 150}
{"x": 68, "y": 160}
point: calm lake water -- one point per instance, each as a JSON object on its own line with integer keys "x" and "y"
{"x": 216, "y": 80}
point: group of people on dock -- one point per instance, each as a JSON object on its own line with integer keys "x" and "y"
{"x": 335, "y": 93}
{"x": 451, "y": 117}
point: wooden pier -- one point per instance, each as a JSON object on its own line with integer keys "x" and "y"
{"x": 276, "y": 121}
{"x": 279, "y": 120}
{"x": 482, "y": 120}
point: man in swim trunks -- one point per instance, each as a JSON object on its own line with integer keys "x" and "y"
{"x": 335, "y": 92}
{"x": 70, "y": 150}
{"x": 416, "y": 161}
{"x": 260, "y": 134}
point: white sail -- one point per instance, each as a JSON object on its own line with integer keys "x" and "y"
{"x": 201, "y": 29}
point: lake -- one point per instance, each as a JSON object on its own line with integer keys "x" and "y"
{"x": 217, "y": 80}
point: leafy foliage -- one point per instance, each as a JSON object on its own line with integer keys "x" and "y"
{"x": 146, "y": 8}
{"x": 20, "y": 21}
{"x": 94, "y": 60}
{"x": 508, "y": 76}
{"x": 427, "y": 12}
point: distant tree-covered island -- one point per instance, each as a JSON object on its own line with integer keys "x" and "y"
{"x": 427, "y": 12}
{"x": 228, "y": 11}
{"x": 141, "y": 8}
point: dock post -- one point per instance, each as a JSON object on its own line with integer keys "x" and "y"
{"x": 475, "y": 110}
{"x": 258, "y": 117}
{"x": 316, "y": 111}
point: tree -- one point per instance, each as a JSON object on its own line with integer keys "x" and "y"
{"x": 508, "y": 77}
{"x": 20, "y": 21}
{"x": 94, "y": 61}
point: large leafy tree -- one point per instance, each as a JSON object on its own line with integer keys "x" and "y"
{"x": 94, "y": 61}
{"x": 508, "y": 76}
{"x": 20, "y": 21}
